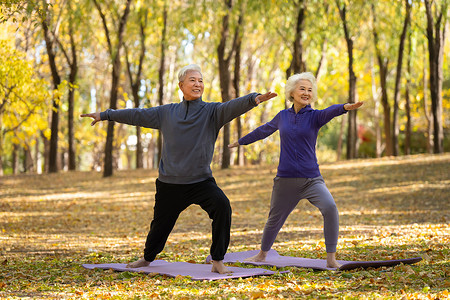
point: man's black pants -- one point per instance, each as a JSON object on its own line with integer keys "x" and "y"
{"x": 172, "y": 199}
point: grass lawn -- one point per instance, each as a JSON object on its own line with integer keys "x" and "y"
{"x": 389, "y": 208}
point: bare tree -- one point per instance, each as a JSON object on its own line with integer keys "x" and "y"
{"x": 436, "y": 31}
{"x": 351, "y": 129}
{"x": 427, "y": 111}
{"x": 407, "y": 98}
{"x": 114, "y": 52}
{"x": 135, "y": 82}
{"x": 297, "y": 63}
{"x": 236, "y": 85}
{"x": 50, "y": 44}
{"x": 383, "y": 63}
{"x": 395, "y": 126}
{"x": 224, "y": 72}
{"x": 161, "y": 72}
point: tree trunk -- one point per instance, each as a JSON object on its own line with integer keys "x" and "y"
{"x": 108, "y": 164}
{"x": 53, "y": 155}
{"x": 407, "y": 145}
{"x": 395, "y": 125}
{"x": 351, "y": 129}
{"x": 71, "y": 100}
{"x": 115, "y": 78}
{"x": 383, "y": 66}
{"x": 407, "y": 100}
{"x": 322, "y": 57}
{"x": 37, "y": 156}
{"x": 15, "y": 159}
{"x": 71, "y": 151}
{"x": 62, "y": 160}
{"x": 436, "y": 40}
{"x": 28, "y": 165}
{"x": 427, "y": 112}
{"x": 386, "y": 109}
{"x": 324, "y": 47}
{"x": 236, "y": 85}
{"x": 1, "y": 146}
{"x": 139, "y": 149}
{"x": 224, "y": 74}
{"x": 135, "y": 85}
{"x": 376, "y": 112}
{"x": 297, "y": 63}
{"x": 340, "y": 138}
{"x": 24, "y": 160}
{"x": 149, "y": 157}
{"x": 46, "y": 151}
{"x": 161, "y": 72}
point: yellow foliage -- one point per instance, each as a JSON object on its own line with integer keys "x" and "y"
{"x": 125, "y": 97}
{"x": 22, "y": 96}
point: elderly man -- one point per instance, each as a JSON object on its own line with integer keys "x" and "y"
{"x": 190, "y": 129}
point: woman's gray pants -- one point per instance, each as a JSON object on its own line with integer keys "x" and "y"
{"x": 286, "y": 194}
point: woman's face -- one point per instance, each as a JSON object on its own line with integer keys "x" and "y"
{"x": 302, "y": 93}
{"x": 192, "y": 85}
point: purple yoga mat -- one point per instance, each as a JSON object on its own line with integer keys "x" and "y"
{"x": 274, "y": 259}
{"x": 195, "y": 271}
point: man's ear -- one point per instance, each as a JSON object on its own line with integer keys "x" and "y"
{"x": 180, "y": 85}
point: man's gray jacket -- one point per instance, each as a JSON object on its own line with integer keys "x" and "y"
{"x": 189, "y": 129}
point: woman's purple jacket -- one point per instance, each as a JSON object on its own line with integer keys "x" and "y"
{"x": 298, "y": 136}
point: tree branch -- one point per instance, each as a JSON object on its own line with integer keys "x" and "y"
{"x": 105, "y": 26}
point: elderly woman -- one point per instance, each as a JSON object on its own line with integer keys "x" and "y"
{"x": 189, "y": 130}
{"x": 298, "y": 176}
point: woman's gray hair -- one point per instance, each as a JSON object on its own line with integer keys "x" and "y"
{"x": 184, "y": 70}
{"x": 292, "y": 82}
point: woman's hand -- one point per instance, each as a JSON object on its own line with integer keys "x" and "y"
{"x": 95, "y": 116}
{"x": 235, "y": 144}
{"x": 264, "y": 97}
{"x": 352, "y": 106}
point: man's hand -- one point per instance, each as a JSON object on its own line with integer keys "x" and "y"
{"x": 352, "y": 106}
{"x": 95, "y": 116}
{"x": 264, "y": 97}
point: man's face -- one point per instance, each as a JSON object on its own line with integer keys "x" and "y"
{"x": 192, "y": 85}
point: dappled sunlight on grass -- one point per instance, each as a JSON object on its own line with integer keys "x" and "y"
{"x": 408, "y": 187}
{"x": 409, "y": 160}
{"x": 58, "y": 197}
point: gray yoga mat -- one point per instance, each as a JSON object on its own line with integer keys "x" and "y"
{"x": 277, "y": 260}
{"x": 195, "y": 271}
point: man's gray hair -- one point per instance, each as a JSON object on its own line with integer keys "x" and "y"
{"x": 184, "y": 70}
{"x": 292, "y": 82}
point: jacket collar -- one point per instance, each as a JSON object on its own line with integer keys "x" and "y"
{"x": 303, "y": 110}
{"x": 193, "y": 102}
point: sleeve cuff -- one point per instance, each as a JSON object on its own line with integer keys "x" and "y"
{"x": 343, "y": 108}
{"x": 104, "y": 115}
{"x": 254, "y": 98}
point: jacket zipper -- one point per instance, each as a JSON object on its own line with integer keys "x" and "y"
{"x": 187, "y": 109}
